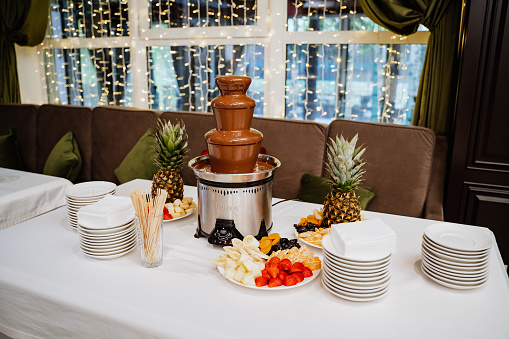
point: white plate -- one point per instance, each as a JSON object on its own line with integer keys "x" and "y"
{"x": 452, "y": 260}
{"x": 109, "y": 256}
{"x": 451, "y": 251}
{"x": 108, "y": 250}
{"x": 116, "y": 251}
{"x": 282, "y": 287}
{"x": 359, "y": 271}
{"x": 469, "y": 273}
{"x": 459, "y": 237}
{"x": 456, "y": 278}
{"x": 304, "y": 241}
{"x": 441, "y": 263}
{"x": 358, "y": 268}
{"x": 453, "y": 285}
{"x": 349, "y": 296}
{"x": 358, "y": 277}
{"x": 107, "y": 231}
{"x": 90, "y": 189}
{"x": 98, "y": 227}
{"x": 357, "y": 285}
{"x": 464, "y": 258}
{"x": 182, "y": 217}
{"x": 105, "y": 236}
{"x": 114, "y": 243}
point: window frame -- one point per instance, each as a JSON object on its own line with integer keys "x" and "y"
{"x": 270, "y": 32}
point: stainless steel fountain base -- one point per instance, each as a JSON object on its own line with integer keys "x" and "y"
{"x": 234, "y": 205}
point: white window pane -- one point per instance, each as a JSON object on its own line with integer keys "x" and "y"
{"x": 359, "y": 82}
{"x": 182, "y": 77}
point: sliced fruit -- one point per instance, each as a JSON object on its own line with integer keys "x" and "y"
{"x": 290, "y": 280}
{"x": 296, "y": 267}
{"x": 261, "y": 281}
{"x": 274, "y": 282}
{"x": 307, "y": 272}
{"x": 273, "y": 271}
{"x": 299, "y": 276}
{"x": 285, "y": 264}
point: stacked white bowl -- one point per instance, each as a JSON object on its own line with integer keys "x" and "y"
{"x": 353, "y": 279}
{"x": 456, "y": 256}
{"x": 84, "y": 194}
{"x": 106, "y": 228}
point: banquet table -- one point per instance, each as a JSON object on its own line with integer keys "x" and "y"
{"x": 48, "y": 288}
{"x": 24, "y": 195}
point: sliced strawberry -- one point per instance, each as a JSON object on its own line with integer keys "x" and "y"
{"x": 274, "y": 261}
{"x": 261, "y": 281}
{"x": 282, "y": 274}
{"x": 274, "y": 282}
{"x": 273, "y": 271}
{"x": 299, "y": 276}
{"x": 290, "y": 280}
{"x": 307, "y": 272}
{"x": 266, "y": 274}
{"x": 296, "y": 267}
{"x": 285, "y": 264}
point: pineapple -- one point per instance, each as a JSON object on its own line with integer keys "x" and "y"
{"x": 345, "y": 169}
{"x": 171, "y": 149}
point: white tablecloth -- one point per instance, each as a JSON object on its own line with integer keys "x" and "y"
{"x": 24, "y": 195}
{"x": 48, "y": 288}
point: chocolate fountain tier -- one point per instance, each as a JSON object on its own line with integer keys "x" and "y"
{"x": 233, "y": 109}
{"x": 233, "y": 151}
{"x": 233, "y": 146}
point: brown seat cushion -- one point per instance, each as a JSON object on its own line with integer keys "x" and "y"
{"x": 115, "y": 131}
{"x": 23, "y": 119}
{"x": 53, "y": 122}
{"x": 399, "y": 162}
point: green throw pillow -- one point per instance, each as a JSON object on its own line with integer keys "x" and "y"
{"x": 139, "y": 162}
{"x": 314, "y": 189}
{"x": 64, "y": 161}
{"x": 10, "y": 157}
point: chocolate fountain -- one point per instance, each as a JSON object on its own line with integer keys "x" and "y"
{"x": 234, "y": 180}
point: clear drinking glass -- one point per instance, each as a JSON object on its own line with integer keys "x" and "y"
{"x": 150, "y": 239}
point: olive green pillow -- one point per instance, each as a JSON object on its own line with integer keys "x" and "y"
{"x": 314, "y": 189}
{"x": 139, "y": 162}
{"x": 10, "y": 157}
{"x": 64, "y": 161}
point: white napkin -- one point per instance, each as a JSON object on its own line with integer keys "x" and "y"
{"x": 110, "y": 211}
{"x": 370, "y": 239}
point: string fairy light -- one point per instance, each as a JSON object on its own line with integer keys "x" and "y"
{"x": 324, "y": 81}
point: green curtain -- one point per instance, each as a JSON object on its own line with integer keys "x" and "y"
{"x": 434, "y": 106}
{"x": 23, "y": 22}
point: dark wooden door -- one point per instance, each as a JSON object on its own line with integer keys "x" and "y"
{"x": 478, "y": 180}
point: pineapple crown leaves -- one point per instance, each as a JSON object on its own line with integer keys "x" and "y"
{"x": 344, "y": 163}
{"x": 171, "y": 147}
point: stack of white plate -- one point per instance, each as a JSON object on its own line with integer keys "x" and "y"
{"x": 352, "y": 279}
{"x": 107, "y": 242}
{"x": 83, "y": 194}
{"x": 456, "y": 256}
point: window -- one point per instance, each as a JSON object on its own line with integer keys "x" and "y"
{"x": 315, "y": 60}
